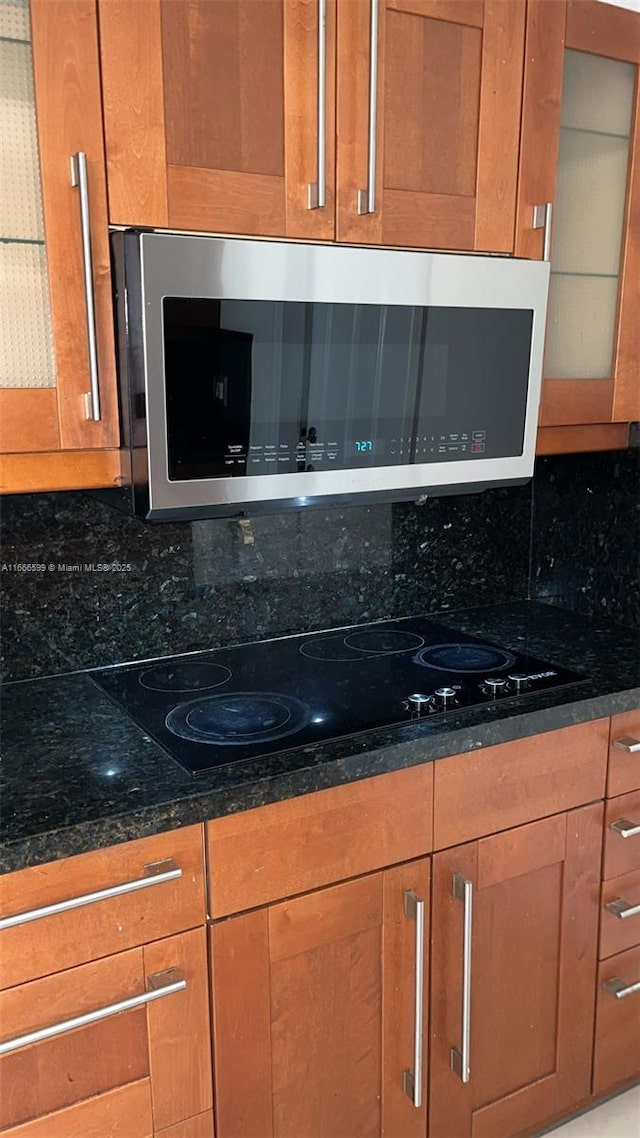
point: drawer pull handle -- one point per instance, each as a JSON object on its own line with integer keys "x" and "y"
{"x": 625, "y": 828}
{"x": 542, "y": 215}
{"x": 317, "y": 191}
{"x": 367, "y": 198}
{"x": 412, "y": 1080}
{"x": 159, "y": 985}
{"x": 628, "y": 744}
{"x": 617, "y": 987}
{"x": 461, "y": 1057}
{"x": 156, "y": 873}
{"x": 622, "y": 909}
{"x": 79, "y": 179}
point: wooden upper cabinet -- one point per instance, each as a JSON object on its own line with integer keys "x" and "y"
{"x": 212, "y": 112}
{"x": 579, "y": 153}
{"x": 48, "y": 437}
{"x": 314, "y": 1012}
{"x": 520, "y": 910}
{"x": 442, "y": 122}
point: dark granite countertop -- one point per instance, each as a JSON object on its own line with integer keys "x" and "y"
{"x": 78, "y": 774}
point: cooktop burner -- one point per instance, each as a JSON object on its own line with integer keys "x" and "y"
{"x": 233, "y": 704}
{"x": 237, "y": 718}
{"x": 355, "y": 646}
{"x": 184, "y": 675}
{"x": 465, "y": 658}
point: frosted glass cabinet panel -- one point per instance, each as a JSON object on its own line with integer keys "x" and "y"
{"x": 593, "y": 164}
{"x": 580, "y": 325}
{"x": 597, "y": 93}
{"x": 589, "y": 215}
{"x": 26, "y": 350}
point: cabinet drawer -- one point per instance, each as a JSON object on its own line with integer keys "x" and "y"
{"x": 289, "y": 847}
{"x": 117, "y": 898}
{"x": 624, "y": 754}
{"x": 505, "y": 786}
{"x": 617, "y": 1043}
{"x": 620, "y": 926}
{"x": 138, "y": 1017}
{"x": 622, "y": 835}
{"x": 124, "y": 1111}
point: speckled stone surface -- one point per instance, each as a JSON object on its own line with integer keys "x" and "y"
{"x": 180, "y": 587}
{"x": 586, "y": 534}
{"x": 79, "y": 775}
{"x": 571, "y": 537}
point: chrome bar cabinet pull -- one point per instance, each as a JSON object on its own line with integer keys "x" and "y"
{"x": 617, "y": 987}
{"x": 461, "y": 1057}
{"x": 156, "y": 873}
{"x": 159, "y": 985}
{"x": 542, "y": 215}
{"x": 79, "y": 179}
{"x": 367, "y": 198}
{"x": 622, "y": 909}
{"x": 412, "y": 1080}
{"x": 317, "y": 191}
{"x": 625, "y": 828}
{"x": 628, "y": 744}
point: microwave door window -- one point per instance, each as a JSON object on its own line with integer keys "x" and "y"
{"x": 363, "y": 382}
{"x": 278, "y": 330}
{"x": 208, "y": 377}
{"x": 473, "y": 383}
{"x": 271, "y": 387}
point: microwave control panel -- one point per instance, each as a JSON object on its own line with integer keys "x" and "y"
{"x": 286, "y": 458}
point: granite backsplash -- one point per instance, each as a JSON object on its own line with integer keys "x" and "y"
{"x": 113, "y": 588}
{"x": 585, "y": 552}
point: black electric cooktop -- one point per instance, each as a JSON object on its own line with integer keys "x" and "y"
{"x": 214, "y": 708}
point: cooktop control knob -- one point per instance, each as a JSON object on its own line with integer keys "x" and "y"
{"x": 519, "y": 681}
{"x": 495, "y": 685}
{"x": 418, "y": 702}
{"x": 444, "y": 697}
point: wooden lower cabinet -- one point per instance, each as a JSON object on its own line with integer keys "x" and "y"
{"x": 315, "y": 1014}
{"x": 532, "y": 976}
{"x": 133, "y": 1072}
{"x": 617, "y": 1043}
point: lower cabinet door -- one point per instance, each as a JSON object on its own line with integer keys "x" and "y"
{"x": 515, "y": 919}
{"x": 116, "y": 1047}
{"x": 320, "y": 1012}
{"x": 617, "y": 1053}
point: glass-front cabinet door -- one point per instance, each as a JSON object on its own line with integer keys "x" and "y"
{"x": 58, "y": 402}
{"x": 26, "y": 346}
{"x": 581, "y": 104}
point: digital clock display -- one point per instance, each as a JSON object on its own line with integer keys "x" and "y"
{"x": 364, "y": 448}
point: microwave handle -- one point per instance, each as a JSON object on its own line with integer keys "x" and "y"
{"x": 317, "y": 191}
{"x": 367, "y": 198}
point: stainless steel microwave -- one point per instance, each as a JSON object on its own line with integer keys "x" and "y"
{"x": 263, "y": 374}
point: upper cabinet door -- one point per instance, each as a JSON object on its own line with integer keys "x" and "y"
{"x": 429, "y": 99}
{"x": 579, "y": 153}
{"x": 57, "y": 362}
{"x": 219, "y": 116}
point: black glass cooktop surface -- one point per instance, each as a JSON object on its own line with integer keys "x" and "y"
{"x": 230, "y": 704}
